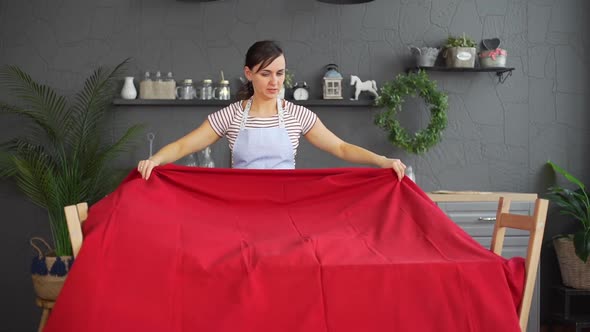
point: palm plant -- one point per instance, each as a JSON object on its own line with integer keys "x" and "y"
{"x": 62, "y": 159}
{"x": 576, "y": 204}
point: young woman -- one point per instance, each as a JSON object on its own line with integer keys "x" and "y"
{"x": 263, "y": 131}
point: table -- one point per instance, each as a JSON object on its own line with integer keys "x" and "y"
{"x": 571, "y": 307}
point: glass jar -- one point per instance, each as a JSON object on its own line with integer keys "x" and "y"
{"x": 410, "y": 173}
{"x": 186, "y": 90}
{"x": 222, "y": 91}
{"x": 207, "y": 89}
{"x": 205, "y": 158}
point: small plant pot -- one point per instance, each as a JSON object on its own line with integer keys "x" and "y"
{"x": 493, "y": 58}
{"x": 425, "y": 60}
{"x": 460, "y": 57}
{"x": 574, "y": 272}
{"x": 425, "y": 56}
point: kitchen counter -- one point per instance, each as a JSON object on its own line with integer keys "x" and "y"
{"x": 477, "y": 196}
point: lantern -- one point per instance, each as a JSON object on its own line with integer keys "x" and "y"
{"x": 332, "y": 83}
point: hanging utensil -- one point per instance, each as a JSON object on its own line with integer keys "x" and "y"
{"x": 151, "y": 137}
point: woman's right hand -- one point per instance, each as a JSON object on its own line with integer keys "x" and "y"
{"x": 194, "y": 141}
{"x": 145, "y": 168}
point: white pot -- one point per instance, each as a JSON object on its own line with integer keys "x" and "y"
{"x": 493, "y": 58}
{"x": 425, "y": 56}
{"x": 128, "y": 91}
{"x": 487, "y": 62}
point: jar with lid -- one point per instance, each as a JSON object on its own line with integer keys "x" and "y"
{"x": 221, "y": 92}
{"x": 146, "y": 77}
{"x": 207, "y": 89}
{"x": 186, "y": 90}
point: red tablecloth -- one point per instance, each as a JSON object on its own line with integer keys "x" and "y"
{"x": 279, "y": 251}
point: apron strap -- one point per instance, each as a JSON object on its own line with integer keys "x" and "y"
{"x": 247, "y": 113}
{"x": 281, "y": 115}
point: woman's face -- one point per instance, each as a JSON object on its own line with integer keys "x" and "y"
{"x": 268, "y": 81}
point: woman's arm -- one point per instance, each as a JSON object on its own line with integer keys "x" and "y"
{"x": 194, "y": 141}
{"x": 322, "y": 138}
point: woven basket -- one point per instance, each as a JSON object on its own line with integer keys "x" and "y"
{"x": 574, "y": 272}
{"x": 47, "y": 286}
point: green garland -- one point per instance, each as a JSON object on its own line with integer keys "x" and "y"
{"x": 392, "y": 97}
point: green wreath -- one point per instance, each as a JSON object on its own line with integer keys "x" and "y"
{"x": 392, "y": 97}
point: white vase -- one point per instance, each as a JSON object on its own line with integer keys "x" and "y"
{"x": 128, "y": 91}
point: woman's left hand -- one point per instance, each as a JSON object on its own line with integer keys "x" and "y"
{"x": 396, "y": 165}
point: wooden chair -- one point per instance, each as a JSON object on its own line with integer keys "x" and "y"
{"x": 535, "y": 225}
{"x": 75, "y": 216}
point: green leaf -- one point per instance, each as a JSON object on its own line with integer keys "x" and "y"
{"x": 463, "y": 41}
{"x": 582, "y": 244}
{"x": 575, "y": 203}
{"x": 567, "y": 175}
{"x": 41, "y": 103}
{"x": 7, "y": 166}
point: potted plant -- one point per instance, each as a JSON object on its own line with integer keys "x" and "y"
{"x": 573, "y": 250}
{"x": 63, "y": 159}
{"x": 425, "y": 56}
{"x": 491, "y": 55}
{"x": 460, "y": 52}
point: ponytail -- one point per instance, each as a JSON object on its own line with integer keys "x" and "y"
{"x": 246, "y": 91}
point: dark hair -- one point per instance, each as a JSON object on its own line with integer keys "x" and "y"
{"x": 261, "y": 52}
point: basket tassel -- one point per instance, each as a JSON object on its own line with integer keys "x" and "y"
{"x": 43, "y": 266}
{"x": 58, "y": 268}
{"x": 38, "y": 265}
{"x": 35, "y": 265}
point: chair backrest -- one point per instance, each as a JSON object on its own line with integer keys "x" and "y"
{"x": 75, "y": 216}
{"x": 535, "y": 225}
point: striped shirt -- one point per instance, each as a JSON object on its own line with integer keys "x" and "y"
{"x": 298, "y": 121}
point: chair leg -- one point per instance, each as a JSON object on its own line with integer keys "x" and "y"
{"x": 44, "y": 317}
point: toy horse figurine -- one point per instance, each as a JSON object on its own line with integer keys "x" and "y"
{"x": 369, "y": 86}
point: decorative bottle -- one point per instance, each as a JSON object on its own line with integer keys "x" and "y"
{"x": 128, "y": 91}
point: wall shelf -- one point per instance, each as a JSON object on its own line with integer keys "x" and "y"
{"x": 223, "y": 103}
{"x": 501, "y": 72}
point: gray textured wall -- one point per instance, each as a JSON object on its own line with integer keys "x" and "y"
{"x": 499, "y": 135}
